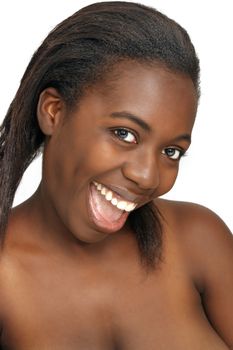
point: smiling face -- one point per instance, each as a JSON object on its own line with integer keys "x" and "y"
{"x": 123, "y": 143}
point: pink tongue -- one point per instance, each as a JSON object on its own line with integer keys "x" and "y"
{"x": 104, "y": 208}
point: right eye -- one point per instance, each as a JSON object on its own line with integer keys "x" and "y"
{"x": 125, "y": 135}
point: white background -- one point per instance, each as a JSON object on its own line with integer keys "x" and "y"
{"x": 206, "y": 174}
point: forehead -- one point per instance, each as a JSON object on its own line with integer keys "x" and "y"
{"x": 150, "y": 92}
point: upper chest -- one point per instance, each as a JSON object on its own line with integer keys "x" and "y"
{"x": 66, "y": 306}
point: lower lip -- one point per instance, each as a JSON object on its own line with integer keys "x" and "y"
{"x": 104, "y": 225}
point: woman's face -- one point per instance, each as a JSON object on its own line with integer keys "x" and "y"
{"x": 118, "y": 150}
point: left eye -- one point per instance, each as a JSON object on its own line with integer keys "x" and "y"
{"x": 173, "y": 153}
{"x": 125, "y": 135}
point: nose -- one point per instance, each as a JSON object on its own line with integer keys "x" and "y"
{"x": 143, "y": 170}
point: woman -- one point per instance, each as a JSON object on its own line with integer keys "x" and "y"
{"x": 94, "y": 259}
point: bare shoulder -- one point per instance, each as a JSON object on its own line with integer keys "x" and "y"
{"x": 207, "y": 245}
{"x": 202, "y": 233}
{"x": 194, "y": 219}
{"x": 193, "y": 215}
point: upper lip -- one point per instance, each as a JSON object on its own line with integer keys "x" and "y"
{"x": 127, "y": 194}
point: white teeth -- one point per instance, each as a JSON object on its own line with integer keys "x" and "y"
{"x": 99, "y": 187}
{"x": 108, "y": 196}
{"x": 114, "y": 201}
{"x": 104, "y": 191}
{"x": 122, "y": 205}
{"x": 130, "y": 207}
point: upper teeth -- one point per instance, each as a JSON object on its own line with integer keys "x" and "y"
{"x": 109, "y": 196}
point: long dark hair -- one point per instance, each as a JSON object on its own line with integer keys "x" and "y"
{"x": 75, "y": 55}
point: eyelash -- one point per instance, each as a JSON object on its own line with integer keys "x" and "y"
{"x": 181, "y": 153}
{"x": 115, "y": 133}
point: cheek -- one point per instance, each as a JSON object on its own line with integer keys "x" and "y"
{"x": 73, "y": 162}
{"x": 167, "y": 180}
{"x": 100, "y": 158}
{"x": 61, "y": 161}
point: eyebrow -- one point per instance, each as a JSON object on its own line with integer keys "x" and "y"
{"x": 183, "y": 137}
{"x": 133, "y": 118}
{"x": 145, "y": 126}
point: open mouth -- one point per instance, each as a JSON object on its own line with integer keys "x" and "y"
{"x": 108, "y": 210}
{"x": 115, "y": 199}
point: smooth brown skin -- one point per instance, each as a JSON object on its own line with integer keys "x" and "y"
{"x": 66, "y": 285}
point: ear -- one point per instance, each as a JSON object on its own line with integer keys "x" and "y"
{"x": 49, "y": 110}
